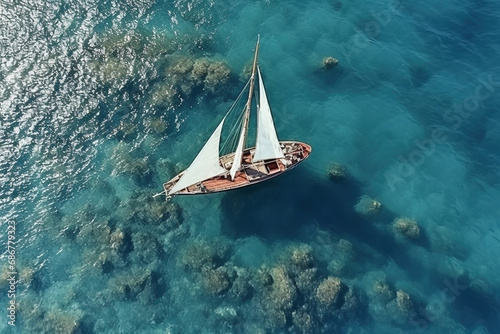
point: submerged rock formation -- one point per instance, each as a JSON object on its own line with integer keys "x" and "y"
{"x": 141, "y": 208}
{"x": 329, "y": 292}
{"x": 103, "y": 247}
{"x": 241, "y": 290}
{"x": 168, "y": 67}
{"x": 407, "y": 227}
{"x": 337, "y": 171}
{"x": 404, "y": 303}
{"x": 329, "y": 62}
{"x": 146, "y": 247}
{"x": 301, "y": 257}
{"x": 367, "y": 206}
{"x": 216, "y": 281}
{"x": 382, "y": 291}
{"x": 40, "y": 318}
{"x": 185, "y": 75}
{"x": 203, "y": 254}
{"x": 133, "y": 164}
{"x": 304, "y": 321}
{"x": 116, "y": 57}
{"x": 283, "y": 292}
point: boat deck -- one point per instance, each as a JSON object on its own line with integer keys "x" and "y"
{"x": 250, "y": 173}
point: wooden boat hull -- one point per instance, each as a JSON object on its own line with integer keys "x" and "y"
{"x": 250, "y": 173}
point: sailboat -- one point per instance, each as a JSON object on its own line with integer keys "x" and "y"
{"x": 211, "y": 172}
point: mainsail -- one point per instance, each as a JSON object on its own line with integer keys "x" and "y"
{"x": 267, "y": 145}
{"x": 205, "y": 165}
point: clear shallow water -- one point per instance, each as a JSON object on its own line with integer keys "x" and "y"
{"x": 89, "y": 132}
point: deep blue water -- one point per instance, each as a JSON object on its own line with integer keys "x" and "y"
{"x": 99, "y": 107}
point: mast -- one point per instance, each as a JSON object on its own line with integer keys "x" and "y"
{"x": 250, "y": 93}
{"x": 238, "y": 155}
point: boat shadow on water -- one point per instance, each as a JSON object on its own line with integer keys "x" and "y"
{"x": 281, "y": 209}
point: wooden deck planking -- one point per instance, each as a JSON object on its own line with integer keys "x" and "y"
{"x": 225, "y": 183}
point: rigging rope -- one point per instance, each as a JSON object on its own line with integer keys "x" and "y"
{"x": 232, "y": 136}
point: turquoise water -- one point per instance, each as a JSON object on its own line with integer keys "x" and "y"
{"x": 100, "y": 105}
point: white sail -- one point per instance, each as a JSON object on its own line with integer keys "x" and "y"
{"x": 205, "y": 165}
{"x": 267, "y": 145}
{"x": 238, "y": 154}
